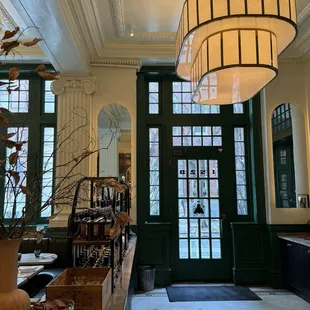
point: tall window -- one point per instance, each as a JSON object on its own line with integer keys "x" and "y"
{"x": 32, "y": 119}
{"x": 154, "y": 171}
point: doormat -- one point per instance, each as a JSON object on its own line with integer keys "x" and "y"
{"x": 210, "y": 293}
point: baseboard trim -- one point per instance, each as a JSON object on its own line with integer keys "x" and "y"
{"x": 251, "y": 276}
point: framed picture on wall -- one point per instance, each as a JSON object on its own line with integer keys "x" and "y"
{"x": 303, "y": 201}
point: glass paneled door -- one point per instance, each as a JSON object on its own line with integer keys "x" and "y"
{"x": 200, "y": 251}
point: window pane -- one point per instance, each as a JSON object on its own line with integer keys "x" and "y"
{"x": 14, "y": 202}
{"x": 49, "y": 99}
{"x": 17, "y": 101}
{"x": 241, "y": 182}
{"x": 154, "y": 182}
{"x": 197, "y": 136}
{"x": 183, "y": 104}
{"x": 47, "y": 170}
{"x": 153, "y": 98}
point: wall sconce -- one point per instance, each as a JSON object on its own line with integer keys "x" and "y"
{"x": 131, "y": 31}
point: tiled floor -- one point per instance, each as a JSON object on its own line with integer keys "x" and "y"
{"x": 271, "y": 300}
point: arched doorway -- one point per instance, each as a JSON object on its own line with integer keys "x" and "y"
{"x": 114, "y": 135}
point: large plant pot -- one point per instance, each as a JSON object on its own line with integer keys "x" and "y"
{"x": 11, "y": 298}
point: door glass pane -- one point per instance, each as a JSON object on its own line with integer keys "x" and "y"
{"x": 216, "y": 249}
{"x": 182, "y": 169}
{"x": 183, "y": 248}
{"x": 215, "y": 228}
{"x": 203, "y": 168}
{"x": 182, "y": 188}
{"x": 213, "y": 169}
{"x": 183, "y": 229}
{"x": 215, "y": 208}
{"x": 194, "y": 233}
{"x": 182, "y": 207}
{"x": 214, "y": 188}
{"x": 194, "y": 244}
{"x": 204, "y": 228}
{"x": 192, "y": 168}
{"x": 203, "y": 188}
{"x": 193, "y": 191}
{"x": 199, "y": 208}
{"x": 205, "y": 248}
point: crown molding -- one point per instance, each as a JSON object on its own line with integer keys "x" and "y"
{"x": 84, "y": 23}
{"x": 6, "y": 17}
{"x": 117, "y": 62}
{"x": 118, "y": 17}
{"x": 305, "y": 14}
{"x": 156, "y": 35}
{"x": 71, "y": 19}
{"x": 139, "y": 50}
{"x": 291, "y": 61}
{"x": 74, "y": 85}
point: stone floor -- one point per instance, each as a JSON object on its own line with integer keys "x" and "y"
{"x": 271, "y": 300}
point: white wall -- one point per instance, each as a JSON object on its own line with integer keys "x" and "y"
{"x": 289, "y": 87}
{"x": 118, "y": 85}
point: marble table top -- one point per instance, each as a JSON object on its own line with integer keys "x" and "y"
{"x": 29, "y": 259}
{"x": 300, "y": 238}
{"x": 118, "y": 299}
{"x": 21, "y": 281}
{"x": 27, "y": 272}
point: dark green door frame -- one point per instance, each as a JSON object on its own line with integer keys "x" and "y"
{"x": 151, "y": 246}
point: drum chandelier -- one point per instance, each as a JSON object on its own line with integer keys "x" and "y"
{"x": 229, "y": 49}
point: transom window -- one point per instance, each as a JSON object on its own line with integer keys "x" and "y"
{"x": 197, "y": 136}
{"x": 182, "y": 103}
{"x": 17, "y": 101}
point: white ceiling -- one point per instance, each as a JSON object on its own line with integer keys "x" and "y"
{"x": 77, "y": 33}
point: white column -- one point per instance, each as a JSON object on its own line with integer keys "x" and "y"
{"x": 109, "y": 158}
{"x": 299, "y": 150}
{"x": 75, "y": 135}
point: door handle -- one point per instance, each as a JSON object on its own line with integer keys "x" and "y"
{"x": 223, "y": 218}
{"x": 221, "y": 229}
{"x": 289, "y": 245}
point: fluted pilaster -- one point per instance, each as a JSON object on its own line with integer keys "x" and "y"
{"x": 75, "y": 133}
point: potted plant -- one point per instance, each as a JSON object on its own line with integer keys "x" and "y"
{"x": 20, "y": 186}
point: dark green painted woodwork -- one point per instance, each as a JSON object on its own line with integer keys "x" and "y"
{"x": 257, "y": 253}
{"x": 154, "y": 238}
{"x": 154, "y": 249}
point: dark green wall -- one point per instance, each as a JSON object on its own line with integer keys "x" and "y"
{"x": 257, "y": 253}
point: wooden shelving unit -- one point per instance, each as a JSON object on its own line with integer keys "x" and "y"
{"x": 119, "y": 202}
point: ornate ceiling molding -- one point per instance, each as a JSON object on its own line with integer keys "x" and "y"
{"x": 117, "y": 12}
{"x": 139, "y": 50}
{"x": 6, "y": 17}
{"x": 291, "y": 61}
{"x": 73, "y": 85}
{"x": 117, "y": 62}
{"x": 305, "y": 14}
{"x": 156, "y": 35}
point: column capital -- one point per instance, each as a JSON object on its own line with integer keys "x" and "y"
{"x": 85, "y": 85}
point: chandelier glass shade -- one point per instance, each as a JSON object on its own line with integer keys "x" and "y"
{"x": 229, "y": 49}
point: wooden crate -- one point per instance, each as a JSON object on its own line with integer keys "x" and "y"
{"x": 85, "y": 297}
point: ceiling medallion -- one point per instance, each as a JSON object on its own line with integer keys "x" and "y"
{"x": 229, "y": 49}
